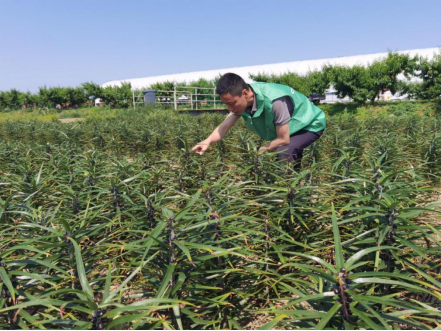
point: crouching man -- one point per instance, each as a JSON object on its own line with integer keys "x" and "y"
{"x": 277, "y": 113}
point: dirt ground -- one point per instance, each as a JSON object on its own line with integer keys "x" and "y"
{"x": 70, "y": 120}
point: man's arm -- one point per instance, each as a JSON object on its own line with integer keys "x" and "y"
{"x": 217, "y": 135}
{"x": 283, "y": 109}
{"x": 281, "y": 140}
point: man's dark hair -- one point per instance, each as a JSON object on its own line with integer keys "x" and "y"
{"x": 231, "y": 83}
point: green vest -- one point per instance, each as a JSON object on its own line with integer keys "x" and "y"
{"x": 306, "y": 116}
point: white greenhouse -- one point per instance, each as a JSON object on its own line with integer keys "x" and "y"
{"x": 299, "y": 67}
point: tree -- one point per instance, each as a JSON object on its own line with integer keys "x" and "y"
{"x": 203, "y": 94}
{"x": 75, "y": 96}
{"x": 164, "y": 86}
{"x": 349, "y": 82}
{"x": 383, "y": 74}
{"x": 118, "y": 96}
{"x": 43, "y": 92}
{"x": 291, "y": 79}
{"x": 32, "y": 100}
{"x": 92, "y": 90}
{"x": 12, "y": 99}
{"x": 365, "y": 83}
{"x": 57, "y": 95}
{"x": 318, "y": 81}
{"x": 430, "y": 74}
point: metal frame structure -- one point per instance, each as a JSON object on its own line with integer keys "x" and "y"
{"x": 195, "y": 100}
{"x": 192, "y": 98}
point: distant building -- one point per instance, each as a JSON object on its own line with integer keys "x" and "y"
{"x": 99, "y": 102}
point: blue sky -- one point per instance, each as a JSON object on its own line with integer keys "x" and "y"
{"x": 65, "y": 43}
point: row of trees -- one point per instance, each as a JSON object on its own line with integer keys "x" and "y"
{"x": 417, "y": 77}
{"x": 364, "y": 83}
{"x": 118, "y": 96}
{"x": 85, "y": 94}
{"x": 360, "y": 83}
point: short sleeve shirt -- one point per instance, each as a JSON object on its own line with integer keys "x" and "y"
{"x": 283, "y": 109}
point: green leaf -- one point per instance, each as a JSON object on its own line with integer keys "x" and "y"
{"x": 337, "y": 243}
{"x": 179, "y": 283}
{"x": 324, "y": 321}
{"x": 7, "y": 282}
{"x": 33, "y": 276}
{"x": 190, "y": 204}
{"x": 354, "y": 258}
{"x": 165, "y": 281}
{"x": 108, "y": 283}
{"x": 375, "y": 280}
{"x": 128, "y": 180}
{"x": 273, "y": 323}
{"x": 130, "y": 318}
{"x": 35, "y": 302}
{"x": 128, "y": 279}
{"x": 185, "y": 250}
{"x": 314, "y": 258}
{"x": 29, "y": 318}
{"x": 147, "y": 304}
{"x": 177, "y": 314}
{"x": 80, "y": 269}
{"x": 365, "y": 317}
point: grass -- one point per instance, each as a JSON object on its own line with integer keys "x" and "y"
{"x": 48, "y": 116}
{"x": 396, "y": 107}
{"x": 112, "y": 215}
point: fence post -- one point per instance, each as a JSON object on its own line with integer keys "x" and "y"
{"x": 196, "y": 94}
{"x": 133, "y": 100}
{"x": 174, "y": 97}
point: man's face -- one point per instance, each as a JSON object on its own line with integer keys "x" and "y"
{"x": 235, "y": 104}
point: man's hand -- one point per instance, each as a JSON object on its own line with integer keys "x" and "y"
{"x": 200, "y": 148}
{"x": 281, "y": 140}
{"x": 217, "y": 135}
{"x": 262, "y": 150}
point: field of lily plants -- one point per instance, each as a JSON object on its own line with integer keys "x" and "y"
{"x": 111, "y": 223}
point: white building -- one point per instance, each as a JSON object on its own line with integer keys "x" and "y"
{"x": 299, "y": 67}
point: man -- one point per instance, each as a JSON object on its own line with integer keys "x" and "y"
{"x": 275, "y": 112}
